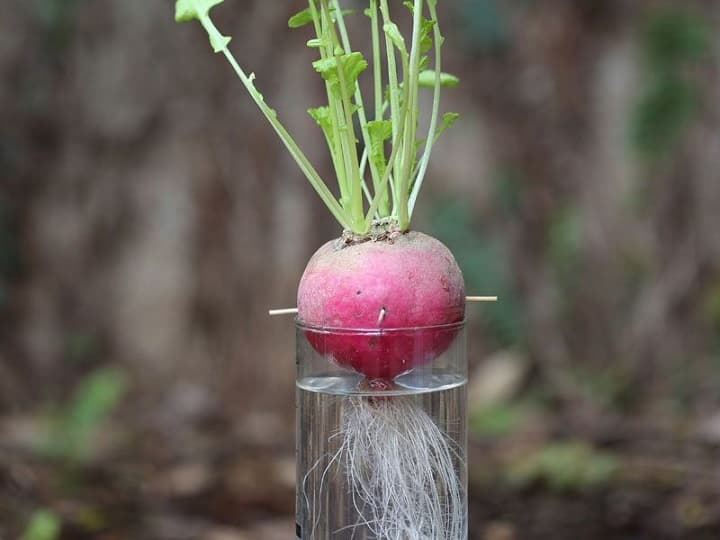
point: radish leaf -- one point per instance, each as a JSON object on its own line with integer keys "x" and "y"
{"x": 447, "y": 121}
{"x": 427, "y": 79}
{"x": 301, "y": 18}
{"x": 379, "y": 131}
{"x": 322, "y": 116}
{"x": 189, "y": 10}
{"x": 352, "y": 66}
{"x": 305, "y": 17}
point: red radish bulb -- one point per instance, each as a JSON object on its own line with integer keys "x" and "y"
{"x": 407, "y": 280}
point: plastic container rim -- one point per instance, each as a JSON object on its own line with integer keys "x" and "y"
{"x": 318, "y": 329}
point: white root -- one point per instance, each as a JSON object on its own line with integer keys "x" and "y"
{"x": 401, "y": 470}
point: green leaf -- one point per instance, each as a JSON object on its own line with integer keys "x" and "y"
{"x": 304, "y": 17}
{"x": 352, "y": 64}
{"x": 424, "y": 63}
{"x": 426, "y": 34}
{"x": 70, "y": 436}
{"x": 322, "y": 116}
{"x": 379, "y": 131}
{"x": 393, "y": 32}
{"x": 301, "y": 18}
{"x": 448, "y": 120}
{"x": 498, "y": 420}
{"x": 43, "y": 525}
{"x": 427, "y": 79}
{"x": 675, "y": 36}
{"x": 189, "y": 10}
{"x": 564, "y": 467}
{"x": 662, "y": 115}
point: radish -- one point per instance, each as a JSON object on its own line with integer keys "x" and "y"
{"x": 382, "y": 301}
{"x": 407, "y": 281}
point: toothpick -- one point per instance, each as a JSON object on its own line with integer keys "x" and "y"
{"x": 293, "y": 311}
{"x": 286, "y": 311}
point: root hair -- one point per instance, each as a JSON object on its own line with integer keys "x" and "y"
{"x": 401, "y": 471}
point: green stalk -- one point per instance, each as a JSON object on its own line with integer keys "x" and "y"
{"x": 358, "y": 99}
{"x": 342, "y": 151}
{"x": 377, "y": 64}
{"x": 348, "y": 131}
{"x": 438, "y": 39}
{"x": 395, "y": 112}
{"x": 399, "y": 191}
{"x": 412, "y": 84}
{"x": 384, "y": 206}
{"x": 382, "y": 192}
{"x": 312, "y": 175}
{"x": 336, "y": 151}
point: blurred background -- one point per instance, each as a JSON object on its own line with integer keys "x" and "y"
{"x": 149, "y": 218}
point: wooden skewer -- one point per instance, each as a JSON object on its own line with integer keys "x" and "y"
{"x": 293, "y": 311}
{"x": 287, "y": 311}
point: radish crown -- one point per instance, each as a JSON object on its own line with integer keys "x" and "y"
{"x": 395, "y": 180}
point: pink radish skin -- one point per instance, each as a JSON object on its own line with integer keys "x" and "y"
{"x": 416, "y": 281}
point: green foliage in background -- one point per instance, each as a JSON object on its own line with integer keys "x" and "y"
{"x": 673, "y": 38}
{"x": 711, "y": 305}
{"x": 566, "y": 466}
{"x": 57, "y": 16}
{"x": 498, "y": 420}
{"x": 70, "y": 431}
{"x": 564, "y": 244}
{"x": 82, "y": 347}
{"x": 672, "y": 41}
{"x": 484, "y": 268}
{"x": 484, "y": 24}
{"x": 43, "y": 525}
{"x": 607, "y": 387}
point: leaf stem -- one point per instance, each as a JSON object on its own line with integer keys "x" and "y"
{"x": 358, "y": 99}
{"x": 307, "y": 168}
{"x": 347, "y": 127}
{"x": 395, "y": 111}
{"x": 411, "y": 83}
{"x": 431, "y": 139}
{"x": 336, "y": 147}
{"x": 384, "y": 208}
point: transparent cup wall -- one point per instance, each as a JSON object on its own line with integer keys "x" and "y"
{"x": 416, "y": 407}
